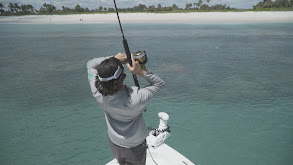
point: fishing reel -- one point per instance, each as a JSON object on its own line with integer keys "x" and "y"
{"x": 141, "y": 57}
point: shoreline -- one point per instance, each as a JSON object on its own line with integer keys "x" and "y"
{"x": 196, "y": 17}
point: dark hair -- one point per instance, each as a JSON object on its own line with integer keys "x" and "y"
{"x": 107, "y": 69}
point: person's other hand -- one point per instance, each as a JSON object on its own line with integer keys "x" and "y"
{"x": 121, "y": 57}
{"x": 136, "y": 68}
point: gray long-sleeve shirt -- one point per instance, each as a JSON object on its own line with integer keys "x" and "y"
{"x": 123, "y": 111}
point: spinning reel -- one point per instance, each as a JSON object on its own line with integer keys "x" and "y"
{"x": 141, "y": 57}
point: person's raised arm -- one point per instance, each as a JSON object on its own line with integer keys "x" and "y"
{"x": 144, "y": 95}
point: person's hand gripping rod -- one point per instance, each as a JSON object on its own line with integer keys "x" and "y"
{"x": 126, "y": 48}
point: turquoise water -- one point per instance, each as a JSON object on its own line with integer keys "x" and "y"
{"x": 228, "y": 91}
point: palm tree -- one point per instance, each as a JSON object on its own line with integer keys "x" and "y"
{"x": 159, "y": 6}
{"x": 175, "y": 7}
{"x": 16, "y": 7}
{"x": 77, "y": 8}
{"x": 1, "y": 6}
{"x": 188, "y": 5}
{"x": 30, "y": 8}
{"x": 267, "y": 3}
{"x": 23, "y": 9}
{"x": 11, "y": 7}
{"x": 194, "y": 4}
{"x": 142, "y": 7}
{"x": 47, "y": 8}
{"x": 26, "y": 9}
{"x": 66, "y": 9}
{"x": 199, "y": 3}
{"x": 100, "y": 8}
{"x": 208, "y": 1}
{"x": 290, "y": 3}
{"x": 152, "y": 8}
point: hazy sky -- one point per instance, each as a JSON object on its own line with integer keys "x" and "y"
{"x": 93, "y": 4}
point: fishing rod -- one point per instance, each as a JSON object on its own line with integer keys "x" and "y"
{"x": 138, "y": 56}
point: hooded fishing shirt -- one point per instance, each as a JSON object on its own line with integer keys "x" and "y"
{"x": 123, "y": 110}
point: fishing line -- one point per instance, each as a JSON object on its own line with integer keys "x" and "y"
{"x": 152, "y": 157}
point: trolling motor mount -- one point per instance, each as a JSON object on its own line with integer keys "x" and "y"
{"x": 158, "y": 136}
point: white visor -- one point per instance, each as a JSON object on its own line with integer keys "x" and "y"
{"x": 115, "y": 76}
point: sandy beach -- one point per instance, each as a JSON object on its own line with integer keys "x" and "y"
{"x": 196, "y": 17}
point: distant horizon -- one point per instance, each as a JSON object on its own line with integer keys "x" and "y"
{"x": 93, "y": 4}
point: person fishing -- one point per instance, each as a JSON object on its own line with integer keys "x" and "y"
{"x": 123, "y": 106}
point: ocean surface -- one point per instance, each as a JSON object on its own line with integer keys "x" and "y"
{"x": 229, "y": 91}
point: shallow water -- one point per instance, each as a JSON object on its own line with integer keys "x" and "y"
{"x": 228, "y": 91}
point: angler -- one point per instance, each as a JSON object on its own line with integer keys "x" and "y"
{"x": 123, "y": 105}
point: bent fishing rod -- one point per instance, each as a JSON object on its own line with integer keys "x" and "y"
{"x": 139, "y": 56}
{"x": 126, "y": 48}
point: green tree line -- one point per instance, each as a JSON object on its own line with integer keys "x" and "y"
{"x": 200, "y": 5}
{"x": 273, "y": 4}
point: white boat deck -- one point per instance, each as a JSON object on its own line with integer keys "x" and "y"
{"x": 163, "y": 155}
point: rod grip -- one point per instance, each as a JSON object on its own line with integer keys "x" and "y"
{"x": 128, "y": 54}
{"x": 135, "y": 80}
